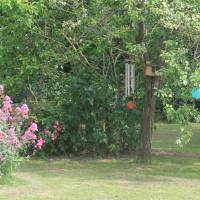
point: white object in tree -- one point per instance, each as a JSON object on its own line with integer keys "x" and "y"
{"x": 129, "y": 79}
{"x": 132, "y": 78}
{"x": 126, "y": 79}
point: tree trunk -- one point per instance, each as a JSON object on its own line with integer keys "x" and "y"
{"x": 147, "y": 120}
{"x": 147, "y": 125}
{"x": 151, "y": 82}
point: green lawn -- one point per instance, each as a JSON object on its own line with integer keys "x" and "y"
{"x": 175, "y": 177}
{"x": 166, "y": 135}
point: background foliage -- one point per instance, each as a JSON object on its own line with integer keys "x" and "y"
{"x": 67, "y": 60}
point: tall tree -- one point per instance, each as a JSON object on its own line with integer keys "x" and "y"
{"x": 50, "y": 38}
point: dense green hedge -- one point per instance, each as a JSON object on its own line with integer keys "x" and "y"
{"x": 94, "y": 119}
{"x": 66, "y": 60}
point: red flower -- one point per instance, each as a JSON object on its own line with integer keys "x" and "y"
{"x": 53, "y": 137}
{"x": 58, "y": 129}
{"x": 46, "y": 131}
{"x": 131, "y": 105}
{"x": 55, "y": 126}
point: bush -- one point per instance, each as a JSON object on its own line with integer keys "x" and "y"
{"x": 94, "y": 119}
{"x": 16, "y": 134}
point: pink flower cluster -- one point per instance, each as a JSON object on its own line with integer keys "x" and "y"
{"x": 57, "y": 127}
{"x": 40, "y": 143}
{"x": 13, "y": 136}
{"x": 23, "y": 110}
{"x": 7, "y": 104}
{"x": 53, "y": 132}
{"x": 1, "y": 135}
{"x": 30, "y": 132}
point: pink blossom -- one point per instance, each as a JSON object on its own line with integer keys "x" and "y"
{"x": 7, "y": 98}
{"x": 24, "y": 111}
{"x": 11, "y": 131}
{"x": 24, "y": 137}
{"x": 46, "y": 131}
{"x": 29, "y": 135}
{"x": 53, "y": 137}
{"x": 55, "y": 126}
{"x": 24, "y": 108}
{"x": 58, "y": 129}
{"x": 33, "y": 136}
{"x": 33, "y": 127}
{"x": 1, "y": 135}
{"x": 13, "y": 137}
{"x": 7, "y": 104}
{"x": 40, "y": 143}
{"x": 4, "y": 115}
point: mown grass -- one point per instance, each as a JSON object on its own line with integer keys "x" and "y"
{"x": 175, "y": 177}
{"x": 166, "y": 135}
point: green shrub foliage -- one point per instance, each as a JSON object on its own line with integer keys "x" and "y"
{"x": 94, "y": 119}
{"x": 66, "y": 59}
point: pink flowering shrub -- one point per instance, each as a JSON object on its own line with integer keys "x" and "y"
{"x": 15, "y": 136}
{"x": 52, "y": 136}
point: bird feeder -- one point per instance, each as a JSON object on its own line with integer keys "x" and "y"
{"x": 151, "y": 71}
{"x": 129, "y": 78}
{"x": 148, "y": 69}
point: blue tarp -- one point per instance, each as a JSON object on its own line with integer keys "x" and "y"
{"x": 196, "y": 93}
